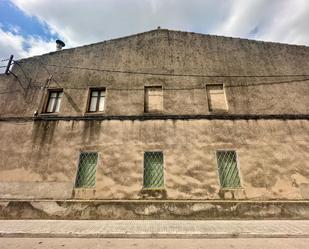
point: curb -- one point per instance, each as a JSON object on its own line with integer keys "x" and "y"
{"x": 152, "y": 235}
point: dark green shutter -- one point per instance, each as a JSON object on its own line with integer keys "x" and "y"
{"x": 86, "y": 173}
{"x": 228, "y": 170}
{"x": 153, "y": 170}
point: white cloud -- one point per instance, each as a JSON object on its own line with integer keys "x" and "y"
{"x": 81, "y": 22}
{"x": 13, "y": 43}
{"x": 38, "y": 46}
{"x": 276, "y": 20}
{"x": 9, "y": 43}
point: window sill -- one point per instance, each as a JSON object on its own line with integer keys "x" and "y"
{"x": 153, "y": 193}
{"x": 232, "y": 193}
{"x": 84, "y": 193}
{"x": 94, "y": 113}
{"x": 229, "y": 188}
{"x": 83, "y": 188}
{"x": 49, "y": 114}
{"x": 153, "y": 113}
{"x": 153, "y": 189}
{"x": 214, "y": 112}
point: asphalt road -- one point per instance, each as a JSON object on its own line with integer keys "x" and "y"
{"x": 84, "y": 243}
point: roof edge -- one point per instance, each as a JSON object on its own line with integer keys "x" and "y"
{"x": 164, "y": 30}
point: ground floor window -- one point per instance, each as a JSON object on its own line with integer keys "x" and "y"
{"x": 153, "y": 170}
{"x": 228, "y": 169}
{"x": 86, "y": 173}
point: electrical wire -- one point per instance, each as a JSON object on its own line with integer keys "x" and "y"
{"x": 171, "y": 89}
{"x": 31, "y": 85}
{"x": 171, "y": 74}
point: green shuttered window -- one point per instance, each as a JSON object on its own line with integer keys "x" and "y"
{"x": 86, "y": 173}
{"x": 153, "y": 170}
{"x": 228, "y": 170}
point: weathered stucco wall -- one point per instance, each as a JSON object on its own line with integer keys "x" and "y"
{"x": 38, "y": 159}
{"x": 273, "y": 157}
{"x": 165, "y": 52}
{"x": 150, "y": 209}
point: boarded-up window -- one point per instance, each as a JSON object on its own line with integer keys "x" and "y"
{"x": 216, "y": 98}
{"x": 86, "y": 173}
{"x": 228, "y": 170}
{"x": 54, "y": 100}
{"x": 97, "y": 100}
{"x": 153, "y": 170}
{"x": 153, "y": 99}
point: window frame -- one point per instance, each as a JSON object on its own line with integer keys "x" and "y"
{"x": 47, "y": 100}
{"x": 238, "y": 169}
{"x": 77, "y": 169}
{"x": 153, "y": 112}
{"x": 163, "y": 168}
{"x": 209, "y": 99}
{"x": 99, "y": 89}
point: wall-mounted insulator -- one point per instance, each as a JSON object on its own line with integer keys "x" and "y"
{"x": 7, "y": 70}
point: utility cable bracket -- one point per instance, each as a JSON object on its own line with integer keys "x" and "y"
{"x": 7, "y": 70}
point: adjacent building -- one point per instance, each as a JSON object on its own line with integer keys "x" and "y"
{"x": 162, "y": 124}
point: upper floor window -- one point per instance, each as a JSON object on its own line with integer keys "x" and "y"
{"x": 97, "y": 100}
{"x": 153, "y": 99}
{"x": 54, "y": 100}
{"x": 216, "y": 98}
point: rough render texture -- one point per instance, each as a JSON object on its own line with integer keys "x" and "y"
{"x": 163, "y": 51}
{"x": 272, "y": 157}
{"x": 153, "y": 210}
{"x": 39, "y": 158}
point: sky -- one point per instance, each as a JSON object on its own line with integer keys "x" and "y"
{"x": 30, "y": 27}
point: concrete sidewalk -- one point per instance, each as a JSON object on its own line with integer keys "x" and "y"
{"x": 155, "y": 228}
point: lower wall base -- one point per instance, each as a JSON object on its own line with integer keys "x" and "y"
{"x": 67, "y": 209}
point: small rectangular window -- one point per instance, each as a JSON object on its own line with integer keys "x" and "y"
{"x": 54, "y": 100}
{"x": 153, "y": 99}
{"x": 153, "y": 170}
{"x": 216, "y": 98}
{"x": 228, "y": 170}
{"x": 97, "y": 100}
{"x": 86, "y": 173}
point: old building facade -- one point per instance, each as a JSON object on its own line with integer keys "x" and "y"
{"x": 160, "y": 124}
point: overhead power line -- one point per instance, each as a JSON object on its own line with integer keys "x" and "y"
{"x": 165, "y": 74}
{"x": 172, "y": 74}
{"x": 169, "y": 74}
{"x": 168, "y": 89}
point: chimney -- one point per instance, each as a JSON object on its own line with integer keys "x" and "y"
{"x": 59, "y": 45}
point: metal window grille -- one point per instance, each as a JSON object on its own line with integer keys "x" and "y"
{"x": 97, "y": 101}
{"x": 54, "y": 100}
{"x": 228, "y": 170}
{"x": 153, "y": 170}
{"x": 86, "y": 173}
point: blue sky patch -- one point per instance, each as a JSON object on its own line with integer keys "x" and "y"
{"x": 17, "y": 22}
